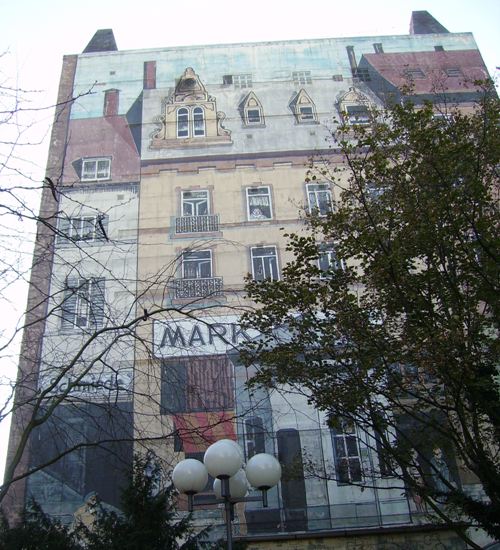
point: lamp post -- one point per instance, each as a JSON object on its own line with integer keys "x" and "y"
{"x": 223, "y": 460}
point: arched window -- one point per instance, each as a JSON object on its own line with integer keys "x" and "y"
{"x": 182, "y": 122}
{"x": 198, "y": 122}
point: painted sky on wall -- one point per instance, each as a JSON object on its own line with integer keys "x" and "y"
{"x": 35, "y": 35}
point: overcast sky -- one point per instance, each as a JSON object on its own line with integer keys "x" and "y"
{"x": 37, "y": 33}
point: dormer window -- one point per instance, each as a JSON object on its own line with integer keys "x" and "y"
{"x": 189, "y": 117}
{"x": 355, "y": 108}
{"x": 357, "y": 114}
{"x": 96, "y": 169}
{"x": 182, "y": 123}
{"x": 303, "y": 108}
{"x": 251, "y": 111}
{"x": 198, "y": 122}
{"x": 190, "y": 122}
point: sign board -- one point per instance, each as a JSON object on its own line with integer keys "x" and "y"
{"x": 202, "y": 336}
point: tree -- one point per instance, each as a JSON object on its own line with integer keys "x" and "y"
{"x": 37, "y": 531}
{"x": 387, "y": 316}
{"x": 148, "y": 518}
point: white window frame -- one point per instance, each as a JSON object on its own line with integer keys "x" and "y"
{"x": 72, "y": 228}
{"x": 347, "y": 432}
{"x": 261, "y": 194}
{"x": 189, "y": 126}
{"x": 265, "y": 265}
{"x": 201, "y": 260}
{"x": 197, "y": 202}
{"x": 198, "y": 131}
{"x": 241, "y": 81}
{"x": 96, "y": 175}
{"x": 334, "y": 262}
{"x": 360, "y": 116}
{"x": 316, "y": 189}
{"x": 82, "y": 296}
{"x": 301, "y": 77}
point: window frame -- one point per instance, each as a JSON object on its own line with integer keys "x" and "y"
{"x": 189, "y": 122}
{"x": 71, "y": 228}
{"x": 83, "y": 295}
{"x": 95, "y": 175}
{"x": 199, "y": 267}
{"x": 185, "y": 200}
{"x": 254, "y": 257}
{"x": 334, "y": 262}
{"x": 362, "y": 118}
{"x": 316, "y": 209}
{"x": 340, "y": 435}
{"x": 301, "y": 78}
{"x": 270, "y": 202}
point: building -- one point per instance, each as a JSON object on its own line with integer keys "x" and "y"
{"x": 174, "y": 171}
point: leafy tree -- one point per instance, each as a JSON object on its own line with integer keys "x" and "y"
{"x": 401, "y": 335}
{"x": 148, "y": 518}
{"x": 37, "y": 531}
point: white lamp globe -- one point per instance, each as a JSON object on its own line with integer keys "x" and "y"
{"x": 263, "y": 471}
{"x": 238, "y": 486}
{"x": 223, "y": 459}
{"x": 190, "y": 476}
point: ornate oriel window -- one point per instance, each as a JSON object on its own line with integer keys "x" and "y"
{"x": 189, "y": 117}
{"x": 303, "y": 108}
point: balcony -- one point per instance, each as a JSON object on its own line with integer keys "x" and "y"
{"x": 198, "y": 288}
{"x": 197, "y": 224}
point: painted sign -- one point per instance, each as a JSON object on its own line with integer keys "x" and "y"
{"x": 202, "y": 336}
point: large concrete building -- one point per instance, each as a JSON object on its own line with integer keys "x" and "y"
{"x": 174, "y": 172}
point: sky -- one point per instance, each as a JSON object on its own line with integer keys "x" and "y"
{"x": 36, "y": 34}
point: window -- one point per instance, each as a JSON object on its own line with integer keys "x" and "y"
{"x": 239, "y": 80}
{"x": 96, "y": 169}
{"x": 301, "y": 77}
{"x": 346, "y": 452}
{"x": 414, "y": 73}
{"x": 242, "y": 80}
{"x": 328, "y": 262}
{"x": 362, "y": 74}
{"x": 85, "y": 228}
{"x": 259, "y": 203}
{"x": 357, "y": 114}
{"x": 198, "y": 122}
{"x": 195, "y": 203}
{"x": 190, "y": 123}
{"x": 254, "y": 437}
{"x": 306, "y": 113}
{"x": 319, "y": 198}
{"x": 83, "y": 305}
{"x": 182, "y": 123}
{"x": 197, "y": 265}
{"x": 453, "y": 71}
{"x": 303, "y": 108}
{"x": 251, "y": 111}
{"x": 265, "y": 263}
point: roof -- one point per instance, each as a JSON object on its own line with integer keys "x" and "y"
{"x": 422, "y": 22}
{"x": 102, "y": 41}
{"x": 441, "y": 70}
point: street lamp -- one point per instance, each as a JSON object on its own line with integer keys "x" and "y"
{"x": 223, "y": 460}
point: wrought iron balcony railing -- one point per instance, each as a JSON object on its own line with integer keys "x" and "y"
{"x": 198, "y": 288}
{"x": 197, "y": 224}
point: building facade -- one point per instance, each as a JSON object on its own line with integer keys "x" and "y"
{"x": 175, "y": 171}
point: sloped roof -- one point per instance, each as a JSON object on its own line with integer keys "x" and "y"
{"x": 102, "y": 41}
{"x": 449, "y": 71}
{"x": 422, "y": 22}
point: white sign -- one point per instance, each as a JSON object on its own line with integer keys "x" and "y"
{"x": 94, "y": 385}
{"x": 203, "y": 336}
